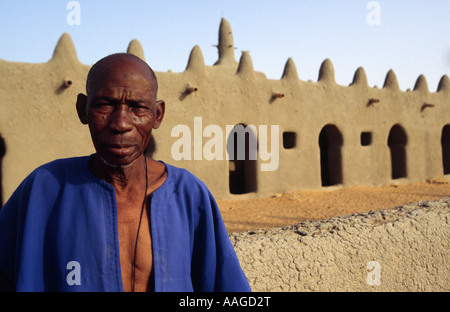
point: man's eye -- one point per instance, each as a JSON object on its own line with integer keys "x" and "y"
{"x": 139, "y": 108}
{"x": 98, "y": 104}
{"x": 103, "y": 106}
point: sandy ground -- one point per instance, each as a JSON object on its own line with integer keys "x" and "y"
{"x": 293, "y": 207}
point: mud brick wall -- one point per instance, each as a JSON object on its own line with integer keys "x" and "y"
{"x": 403, "y": 249}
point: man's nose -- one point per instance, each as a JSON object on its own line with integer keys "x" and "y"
{"x": 120, "y": 119}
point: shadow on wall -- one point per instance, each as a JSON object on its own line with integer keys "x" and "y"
{"x": 2, "y": 154}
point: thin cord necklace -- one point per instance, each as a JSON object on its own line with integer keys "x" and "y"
{"x": 139, "y": 226}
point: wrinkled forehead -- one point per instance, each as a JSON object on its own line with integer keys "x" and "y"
{"x": 123, "y": 68}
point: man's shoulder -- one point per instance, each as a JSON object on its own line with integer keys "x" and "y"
{"x": 179, "y": 172}
{"x": 182, "y": 177}
{"x": 47, "y": 179}
{"x": 59, "y": 168}
{"x": 63, "y": 164}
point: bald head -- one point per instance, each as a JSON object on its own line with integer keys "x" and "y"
{"x": 98, "y": 70}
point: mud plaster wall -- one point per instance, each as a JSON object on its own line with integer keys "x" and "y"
{"x": 409, "y": 243}
{"x": 38, "y": 121}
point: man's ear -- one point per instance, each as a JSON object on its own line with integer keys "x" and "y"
{"x": 160, "y": 109}
{"x": 81, "y": 108}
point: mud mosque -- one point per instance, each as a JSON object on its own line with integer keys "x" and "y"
{"x": 244, "y": 135}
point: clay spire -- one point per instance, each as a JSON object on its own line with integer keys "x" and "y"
{"x": 196, "y": 61}
{"x": 421, "y": 84}
{"x": 391, "y": 81}
{"x": 65, "y": 49}
{"x": 135, "y": 48}
{"x": 245, "y": 65}
{"x": 290, "y": 71}
{"x": 360, "y": 78}
{"x": 326, "y": 72}
{"x": 444, "y": 84}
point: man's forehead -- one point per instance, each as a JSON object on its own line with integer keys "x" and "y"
{"x": 123, "y": 68}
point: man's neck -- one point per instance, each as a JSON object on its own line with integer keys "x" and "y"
{"x": 121, "y": 177}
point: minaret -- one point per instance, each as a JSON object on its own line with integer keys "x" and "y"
{"x": 226, "y": 45}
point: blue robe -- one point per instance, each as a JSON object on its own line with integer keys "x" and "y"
{"x": 58, "y": 232}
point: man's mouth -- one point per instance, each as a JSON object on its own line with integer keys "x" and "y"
{"x": 119, "y": 149}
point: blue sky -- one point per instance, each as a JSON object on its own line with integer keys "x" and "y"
{"x": 413, "y": 37}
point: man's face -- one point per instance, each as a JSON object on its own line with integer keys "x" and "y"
{"x": 122, "y": 111}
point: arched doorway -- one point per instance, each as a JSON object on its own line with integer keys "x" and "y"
{"x": 330, "y": 144}
{"x": 242, "y": 150}
{"x": 397, "y": 141}
{"x": 445, "y": 143}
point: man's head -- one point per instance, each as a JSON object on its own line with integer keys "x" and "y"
{"x": 120, "y": 107}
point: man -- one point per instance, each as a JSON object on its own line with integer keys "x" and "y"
{"x": 116, "y": 220}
